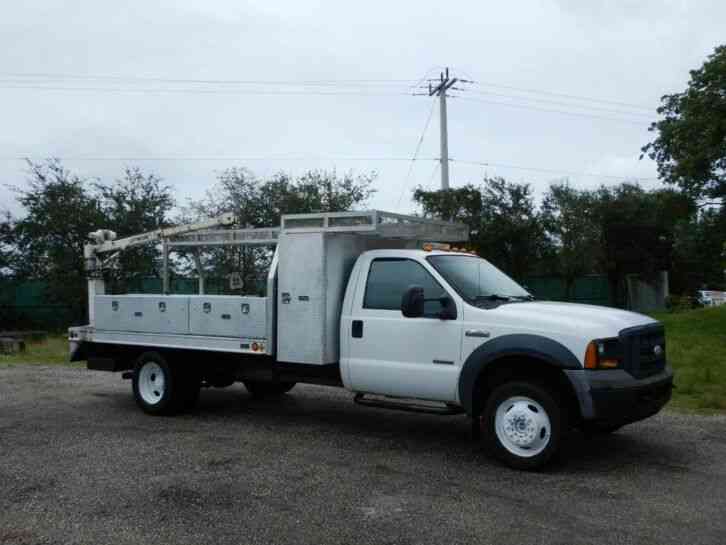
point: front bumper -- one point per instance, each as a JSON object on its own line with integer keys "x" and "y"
{"x": 615, "y": 397}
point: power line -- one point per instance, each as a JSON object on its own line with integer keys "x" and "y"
{"x": 433, "y": 174}
{"x": 304, "y": 157}
{"x": 552, "y": 171}
{"x": 152, "y": 90}
{"x": 563, "y": 95}
{"x": 415, "y": 154}
{"x": 33, "y": 77}
{"x": 30, "y": 76}
{"x": 651, "y": 113}
{"x": 267, "y": 92}
{"x": 291, "y": 157}
{"x": 551, "y": 110}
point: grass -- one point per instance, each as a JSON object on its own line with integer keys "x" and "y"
{"x": 52, "y": 351}
{"x": 695, "y": 339}
{"x": 696, "y": 348}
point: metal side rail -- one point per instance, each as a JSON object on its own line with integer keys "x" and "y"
{"x": 412, "y": 405}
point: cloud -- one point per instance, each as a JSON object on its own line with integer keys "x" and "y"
{"x": 628, "y": 52}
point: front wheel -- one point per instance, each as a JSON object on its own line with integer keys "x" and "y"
{"x": 522, "y": 424}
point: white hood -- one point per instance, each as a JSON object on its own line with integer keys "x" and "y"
{"x": 564, "y": 318}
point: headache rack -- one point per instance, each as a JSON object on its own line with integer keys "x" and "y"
{"x": 374, "y": 223}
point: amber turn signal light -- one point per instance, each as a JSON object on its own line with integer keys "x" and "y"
{"x": 591, "y": 356}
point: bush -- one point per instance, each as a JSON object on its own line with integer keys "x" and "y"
{"x": 680, "y": 303}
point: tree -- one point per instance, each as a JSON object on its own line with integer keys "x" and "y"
{"x": 135, "y": 203}
{"x": 49, "y": 238}
{"x": 569, "y": 219}
{"x": 261, "y": 203}
{"x": 637, "y": 230}
{"x": 61, "y": 209}
{"x": 699, "y": 259}
{"x": 504, "y": 224}
{"x": 690, "y": 147}
{"x": 8, "y": 256}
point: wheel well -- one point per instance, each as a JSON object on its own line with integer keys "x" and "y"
{"x": 510, "y": 368}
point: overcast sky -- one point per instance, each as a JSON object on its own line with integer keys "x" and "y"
{"x": 625, "y": 54}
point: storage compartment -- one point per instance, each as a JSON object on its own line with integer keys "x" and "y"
{"x": 142, "y": 313}
{"x": 312, "y": 276}
{"x": 228, "y": 316}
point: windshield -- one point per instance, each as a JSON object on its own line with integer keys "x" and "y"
{"x": 476, "y": 279}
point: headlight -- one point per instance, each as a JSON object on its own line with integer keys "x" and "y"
{"x": 603, "y": 354}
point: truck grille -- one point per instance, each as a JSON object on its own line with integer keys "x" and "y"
{"x": 644, "y": 350}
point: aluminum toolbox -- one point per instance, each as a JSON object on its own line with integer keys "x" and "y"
{"x": 312, "y": 276}
{"x": 228, "y": 316}
{"x": 142, "y": 313}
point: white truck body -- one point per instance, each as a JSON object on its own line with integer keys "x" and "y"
{"x": 352, "y": 300}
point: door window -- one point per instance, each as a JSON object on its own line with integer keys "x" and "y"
{"x": 388, "y": 279}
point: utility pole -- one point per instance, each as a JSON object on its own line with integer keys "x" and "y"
{"x": 444, "y": 84}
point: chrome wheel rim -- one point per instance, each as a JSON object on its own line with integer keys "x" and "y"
{"x": 152, "y": 383}
{"x": 522, "y": 426}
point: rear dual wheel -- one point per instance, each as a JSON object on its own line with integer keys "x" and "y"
{"x": 160, "y": 388}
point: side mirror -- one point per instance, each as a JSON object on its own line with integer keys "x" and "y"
{"x": 448, "y": 309}
{"x": 412, "y": 302}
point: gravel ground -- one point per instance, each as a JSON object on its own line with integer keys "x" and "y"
{"x": 79, "y": 463}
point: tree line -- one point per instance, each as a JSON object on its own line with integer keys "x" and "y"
{"x": 60, "y": 208}
{"x": 614, "y": 231}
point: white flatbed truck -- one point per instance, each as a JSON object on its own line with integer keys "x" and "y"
{"x": 365, "y": 301}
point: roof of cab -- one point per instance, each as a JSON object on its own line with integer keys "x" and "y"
{"x": 420, "y": 254}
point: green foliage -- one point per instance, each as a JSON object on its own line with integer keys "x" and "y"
{"x": 690, "y": 147}
{"x": 49, "y": 239}
{"x": 637, "y": 231}
{"x": 680, "y": 303}
{"x": 611, "y": 230}
{"x": 133, "y": 204}
{"x": 61, "y": 209}
{"x": 696, "y": 348}
{"x": 504, "y": 224}
{"x": 570, "y": 219}
{"x": 7, "y": 249}
{"x": 700, "y": 252}
{"x": 50, "y": 351}
{"x": 261, "y": 202}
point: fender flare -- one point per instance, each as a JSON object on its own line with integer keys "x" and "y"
{"x": 532, "y": 346}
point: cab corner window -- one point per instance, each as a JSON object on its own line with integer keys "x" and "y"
{"x": 388, "y": 279}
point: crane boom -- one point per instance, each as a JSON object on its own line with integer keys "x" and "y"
{"x": 104, "y": 241}
{"x": 103, "y": 246}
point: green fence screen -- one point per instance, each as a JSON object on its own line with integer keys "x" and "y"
{"x": 24, "y": 304}
{"x": 591, "y": 289}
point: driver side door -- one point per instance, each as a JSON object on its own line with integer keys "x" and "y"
{"x": 398, "y": 356}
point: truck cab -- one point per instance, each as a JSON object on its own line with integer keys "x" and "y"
{"x": 361, "y": 301}
{"x": 451, "y": 327}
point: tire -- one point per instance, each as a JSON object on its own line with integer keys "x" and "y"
{"x": 522, "y": 424}
{"x": 160, "y": 388}
{"x": 268, "y": 389}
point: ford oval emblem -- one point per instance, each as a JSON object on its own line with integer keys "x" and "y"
{"x": 657, "y": 351}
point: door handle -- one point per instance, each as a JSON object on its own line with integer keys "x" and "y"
{"x": 477, "y": 333}
{"x": 357, "y": 329}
